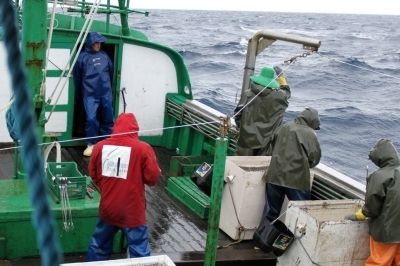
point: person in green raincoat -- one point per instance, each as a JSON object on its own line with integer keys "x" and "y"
{"x": 382, "y": 201}
{"x": 295, "y": 150}
{"x": 266, "y": 103}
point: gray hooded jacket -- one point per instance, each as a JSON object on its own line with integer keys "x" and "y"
{"x": 295, "y": 150}
{"x": 382, "y": 199}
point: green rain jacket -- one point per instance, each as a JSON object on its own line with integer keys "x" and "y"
{"x": 260, "y": 119}
{"x": 295, "y": 150}
{"x": 382, "y": 199}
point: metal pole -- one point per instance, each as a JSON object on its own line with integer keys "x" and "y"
{"x": 34, "y": 37}
{"x": 216, "y": 196}
{"x": 124, "y": 18}
{"x": 108, "y": 17}
{"x": 263, "y": 39}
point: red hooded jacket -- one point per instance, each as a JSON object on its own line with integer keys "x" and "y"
{"x": 120, "y": 166}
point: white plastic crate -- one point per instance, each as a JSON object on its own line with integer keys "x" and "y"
{"x": 323, "y": 236}
{"x": 161, "y": 260}
{"x": 243, "y": 197}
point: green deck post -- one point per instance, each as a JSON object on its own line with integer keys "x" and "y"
{"x": 124, "y": 18}
{"x": 215, "y": 204}
{"x": 34, "y": 39}
{"x": 108, "y": 17}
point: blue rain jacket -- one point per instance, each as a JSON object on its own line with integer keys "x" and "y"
{"x": 93, "y": 74}
{"x": 93, "y": 70}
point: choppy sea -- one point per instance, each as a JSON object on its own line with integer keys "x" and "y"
{"x": 354, "y": 81}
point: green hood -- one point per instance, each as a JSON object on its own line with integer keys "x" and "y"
{"x": 384, "y": 154}
{"x": 310, "y": 117}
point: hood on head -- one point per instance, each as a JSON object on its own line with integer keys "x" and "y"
{"x": 384, "y": 153}
{"x": 310, "y": 117}
{"x": 126, "y": 122}
{"x": 94, "y": 37}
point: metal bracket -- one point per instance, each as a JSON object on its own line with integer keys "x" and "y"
{"x": 224, "y": 126}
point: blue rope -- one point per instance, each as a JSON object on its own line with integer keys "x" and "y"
{"x": 31, "y": 156}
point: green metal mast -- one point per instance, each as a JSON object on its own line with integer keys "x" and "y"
{"x": 34, "y": 23}
{"x": 216, "y": 195}
{"x": 34, "y": 35}
{"x": 124, "y": 17}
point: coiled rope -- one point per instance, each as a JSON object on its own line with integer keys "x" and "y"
{"x": 42, "y": 217}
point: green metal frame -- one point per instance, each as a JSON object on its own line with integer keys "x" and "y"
{"x": 17, "y": 236}
{"x": 216, "y": 199}
{"x": 188, "y": 140}
{"x": 69, "y": 108}
{"x": 34, "y": 37}
{"x": 64, "y": 36}
{"x": 15, "y": 209}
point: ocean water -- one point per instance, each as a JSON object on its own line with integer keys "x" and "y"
{"x": 354, "y": 82}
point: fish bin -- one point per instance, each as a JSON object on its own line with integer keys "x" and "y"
{"x": 323, "y": 236}
{"x": 243, "y": 196}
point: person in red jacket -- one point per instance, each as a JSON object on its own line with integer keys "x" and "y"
{"x": 120, "y": 167}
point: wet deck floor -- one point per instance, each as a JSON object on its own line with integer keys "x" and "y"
{"x": 174, "y": 230}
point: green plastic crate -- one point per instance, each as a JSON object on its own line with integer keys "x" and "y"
{"x": 58, "y": 173}
{"x": 186, "y": 165}
{"x": 187, "y": 192}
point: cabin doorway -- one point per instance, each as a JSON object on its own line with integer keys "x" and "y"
{"x": 79, "y": 120}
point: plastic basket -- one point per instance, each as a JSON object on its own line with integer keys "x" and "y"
{"x": 66, "y": 172}
{"x": 186, "y": 165}
{"x": 273, "y": 237}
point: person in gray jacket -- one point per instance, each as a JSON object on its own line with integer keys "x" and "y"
{"x": 266, "y": 103}
{"x": 295, "y": 150}
{"x": 382, "y": 201}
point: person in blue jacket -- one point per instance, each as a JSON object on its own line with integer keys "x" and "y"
{"x": 93, "y": 75}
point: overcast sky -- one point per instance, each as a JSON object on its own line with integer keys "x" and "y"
{"x": 390, "y": 7}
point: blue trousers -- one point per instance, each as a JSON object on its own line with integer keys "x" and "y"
{"x": 99, "y": 116}
{"x": 275, "y": 195}
{"x": 100, "y": 247}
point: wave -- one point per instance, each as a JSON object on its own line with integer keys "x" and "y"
{"x": 219, "y": 104}
{"x": 366, "y": 36}
{"x": 168, "y": 27}
{"x": 209, "y": 65}
{"x": 248, "y": 29}
{"x": 190, "y": 54}
{"x": 357, "y": 107}
{"x": 356, "y": 62}
{"x": 229, "y": 45}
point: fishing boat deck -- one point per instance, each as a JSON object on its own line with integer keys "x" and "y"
{"x": 174, "y": 230}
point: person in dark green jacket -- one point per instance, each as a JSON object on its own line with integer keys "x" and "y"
{"x": 295, "y": 150}
{"x": 382, "y": 201}
{"x": 266, "y": 103}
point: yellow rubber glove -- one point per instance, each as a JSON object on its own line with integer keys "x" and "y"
{"x": 281, "y": 80}
{"x": 360, "y": 215}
